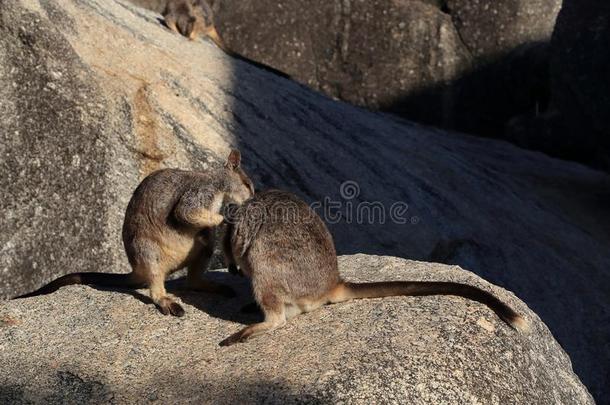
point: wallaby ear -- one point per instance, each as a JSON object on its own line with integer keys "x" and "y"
{"x": 234, "y": 159}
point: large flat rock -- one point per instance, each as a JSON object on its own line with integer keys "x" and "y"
{"x": 82, "y": 345}
{"x": 95, "y": 94}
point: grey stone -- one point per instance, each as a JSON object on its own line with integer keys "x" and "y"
{"x": 368, "y": 53}
{"x": 581, "y": 83}
{"x": 576, "y": 124}
{"x": 81, "y": 345}
{"x": 128, "y": 96}
{"x": 455, "y": 63}
{"x": 490, "y": 29}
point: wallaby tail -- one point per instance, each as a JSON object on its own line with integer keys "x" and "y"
{"x": 127, "y": 280}
{"x": 348, "y": 291}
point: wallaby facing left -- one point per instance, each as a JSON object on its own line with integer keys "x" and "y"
{"x": 169, "y": 224}
{"x": 285, "y": 248}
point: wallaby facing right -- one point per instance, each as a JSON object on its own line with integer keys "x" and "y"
{"x": 169, "y": 224}
{"x": 284, "y": 246}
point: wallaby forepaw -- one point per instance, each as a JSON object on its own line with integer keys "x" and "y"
{"x": 163, "y": 310}
{"x": 176, "y": 309}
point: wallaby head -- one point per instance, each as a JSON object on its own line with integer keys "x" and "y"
{"x": 240, "y": 187}
{"x": 189, "y": 17}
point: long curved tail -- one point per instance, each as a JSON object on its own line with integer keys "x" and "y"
{"x": 348, "y": 291}
{"x": 99, "y": 279}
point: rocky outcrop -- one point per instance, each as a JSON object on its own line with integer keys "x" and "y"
{"x": 367, "y": 53}
{"x": 457, "y": 63}
{"x": 577, "y": 124}
{"x": 81, "y": 345}
{"x": 581, "y": 89}
{"x": 95, "y": 94}
{"x": 78, "y": 132}
{"x": 493, "y": 28}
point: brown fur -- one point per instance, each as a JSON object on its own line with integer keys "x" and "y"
{"x": 169, "y": 224}
{"x": 191, "y": 18}
{"x": 284, "y": 246}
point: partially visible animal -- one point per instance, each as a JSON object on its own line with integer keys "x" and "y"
{"x": 194, "y": 19}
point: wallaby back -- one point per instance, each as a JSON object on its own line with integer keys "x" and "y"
{"x": 279, "y": 241}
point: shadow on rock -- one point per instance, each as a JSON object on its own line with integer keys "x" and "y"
{"x": 240, "y": 309}
{"x": 484, "y": 100}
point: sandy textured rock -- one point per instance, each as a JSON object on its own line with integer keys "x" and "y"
{"x": 83, "y": 345}
{"x": 94, "y": 94}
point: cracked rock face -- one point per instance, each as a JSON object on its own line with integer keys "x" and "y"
{"x": 491, "y": 28}
{"x": 367, "y": 53}
{"x": 456, "y": 63}
{"x": 95, "y": 94}
{"x": 87, "y": 346}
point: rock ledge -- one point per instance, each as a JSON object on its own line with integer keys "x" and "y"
{"x": 84, "y": 345}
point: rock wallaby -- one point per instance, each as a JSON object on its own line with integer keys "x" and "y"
{"x": 194, "y": 19}
{"x": 191, "y": 18}
{"x": 169, "y": 224}
{"x": 285, "y": 248}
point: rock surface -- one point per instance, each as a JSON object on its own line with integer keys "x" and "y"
{"x": 81, "y": 345}
{"x": 95, "y": 94}
{"x": 367, "y": 53}
{"x": 577, "y": 123}
{"x": 491, "y": 28}
{"x": 451, "y": 63}
{"x": 581, "y": 84}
